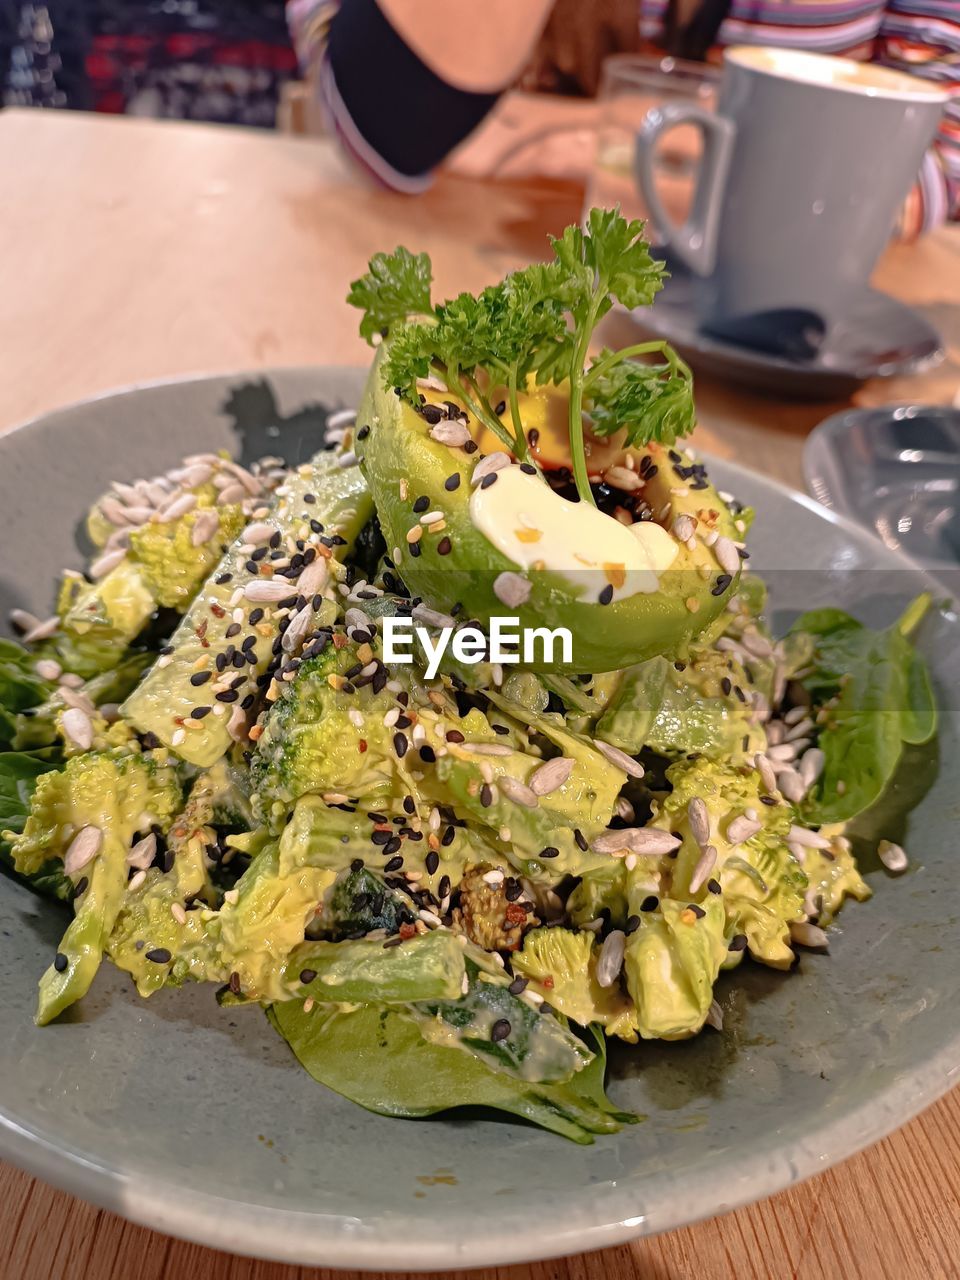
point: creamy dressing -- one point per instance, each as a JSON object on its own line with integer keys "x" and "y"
{"x": 536, "y": 529}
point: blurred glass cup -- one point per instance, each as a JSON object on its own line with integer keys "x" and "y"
{"x": 630, "y": 86}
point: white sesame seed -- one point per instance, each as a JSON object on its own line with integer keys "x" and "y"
{"x": 48, "y": 669}
{"x": 178, "y": 913}
{"x": 177, "y": 738}
{"x": 135, "y": 881}
{"x": 342, "y": 418}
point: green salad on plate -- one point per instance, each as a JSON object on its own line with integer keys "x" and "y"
{"x": 286, "y": 734}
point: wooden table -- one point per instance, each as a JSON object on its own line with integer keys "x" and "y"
{"x": 133, "y": 251}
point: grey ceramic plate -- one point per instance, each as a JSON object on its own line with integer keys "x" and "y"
{"x": 877, "y": 338}
{"x": 197, "y": 1121}
{"x": 895, "y": 470}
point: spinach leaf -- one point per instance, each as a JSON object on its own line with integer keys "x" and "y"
{"x": 878, "y": 693}
{"x": 20, "y": 687}
{"x": 19, "y": 771}
{"x": 377, "y": 1058}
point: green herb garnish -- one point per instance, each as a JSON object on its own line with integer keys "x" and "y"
{"x": 537, "y": 323}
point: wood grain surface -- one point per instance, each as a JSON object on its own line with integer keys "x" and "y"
{"x": 132, "y": 251}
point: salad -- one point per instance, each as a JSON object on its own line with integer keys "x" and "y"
{"x": 253, "y": 747}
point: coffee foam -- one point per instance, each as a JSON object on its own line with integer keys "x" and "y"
{"x": 835, "y": 73}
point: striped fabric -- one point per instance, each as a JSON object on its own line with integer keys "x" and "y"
{"x": 921, "y": 37}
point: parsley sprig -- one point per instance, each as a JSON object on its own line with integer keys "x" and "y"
{"x": 536, "y": 323}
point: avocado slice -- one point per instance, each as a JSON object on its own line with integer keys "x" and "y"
{"x": 164, "y": 702}
{"x": 411, "y": 472}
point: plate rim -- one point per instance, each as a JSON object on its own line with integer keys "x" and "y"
{"x": 337, "y": 1240}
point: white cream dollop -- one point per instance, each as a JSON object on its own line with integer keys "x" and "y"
{"x": 536, "y": 529}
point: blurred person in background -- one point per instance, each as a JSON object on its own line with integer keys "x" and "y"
{"x": 402, "y": 82}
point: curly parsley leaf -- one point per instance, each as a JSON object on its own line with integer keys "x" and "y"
{"x": 652, "y": 401}
{"x": 396, "y": 287}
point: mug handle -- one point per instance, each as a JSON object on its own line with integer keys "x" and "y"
{"x": 695, "y": 241}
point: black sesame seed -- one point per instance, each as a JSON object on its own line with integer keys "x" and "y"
{"x": 448, "y": 836}
{"x": 400, "y": 744}
{"x": 650, "y": 904}
{"x": 432, "y": 413}
{"x": 768, "y": 800}
{"x": 80, "y": 887}
{"x": 501, "y": 408}
{"x": 713, "y": 886}
{"x": 198, "y": 713}
{"x": 632, "y": 925}
{"x": 60, "y": 962}
{"x": 444, "y": 546}
{"x": 697, "y": 911}
{"x": 421, "y": 504}
{"x": 606, "y": 595}
{"x": 454, "y": 735}
{"x": 428, "y": 755}
{"x": 500, "y": 1030}
{"x": 221, "y": 578}
{"x": 452, "y": 482}
{"x": 738, "y": 942}
{"x": 432, "y": 862}
{"x": 488, "y": 480}
{"x": 416, "y": 550}
{"x": 228, "y": 695}
{"x": 159, "y": 955}
{"x": 721, "y": 584}
{"x": 581, "y": 840}
{"x": 394, "y": 864}
{"x": 486, "y": 795}
{"x": 200, "y": 677}
{"x": 443, "y": 888}
{"x": 393, "y": 845}
{"x": 362, "y": 433}
{"x": 518, "y": 985}
{"x": 549, "y": 852}
{"x": 307, "y": 976}
{"x": 232, "y": 630}
{"x": 255, "y": 616}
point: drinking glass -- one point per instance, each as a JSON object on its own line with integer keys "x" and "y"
{"x": 630, "y": 86}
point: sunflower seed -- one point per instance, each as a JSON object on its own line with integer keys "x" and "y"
{"x": 798, "y": 730}
{"x": 619, "y": 758}
{"x": 230, "y": 494}
{"x": 626, "y": 480}
{"x": 78, "y": 728}
{"x": 518, "y": 792}
{"x": 105, "y": 562}
{"x": 192, "y": 477}
{"x": 180, "y": 505}
{"x": 742, "y": 828}
{"x": 23, "y": 620}
{"x": 486, "y": 748}
{"x": 204, "y": 527}
{"x": 625, "y": 811}
{"x": 296, "y": 629}
{"x": 755, "y": 643}
{"x": 348, "y": 459}
{"x": 684, "y": 527}
{"x": 783, "y": 751}
{"x": 249, "y": 482}
{"x": 125, "y": 492}
{"x": 811, "y": 766}
{"x": 705, "y": 864}
{"x": 83, "y": 848}
{"x": 73, "y": 698}
{"x": 119, "y": 538}
{"x": 715, "y": 1016}
{"x": 489, "y": 463}
{"x": 512, "y": 589}
{"x": 809, "y": 839}
{"x": 648, "y": 841}
{"x": 314, "y": 577}
{"x": 610, "y": 959}
{"x": 452, "y": 434}
{"x": 43, "y": 630}
{"x": 698, "y": 816}
{"x": 432, "y": 617}
{"x": 551, "y": 776}
{"x": 342, "y": 418}
{"x": 258, "y": 534}
{"x": 237, "y": 724}
{"x": 808, "y": 935}
{"x": 727, "y": 555}
{"x": 48, "y": 669}
{"x": 143, "y": 852}
{"x": 113, "y": 510}
{"x": 267, "y": 590}
{"x": 892, "y": 856}
{"x": 794, "y": 714}
{"x": 791, "y": 785}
